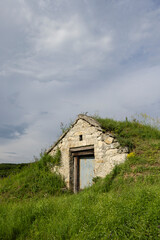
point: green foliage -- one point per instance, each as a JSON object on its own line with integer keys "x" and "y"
{"x": 65, "y": 127}
{"x": 96, "y": 179}
{"x": 46, "y": 161}
{"x": 129, "y": 132}
{"x": 36, "y": 179}
{"x": 7, "y": 169}
{"x": 132, "y": 213}
{"x": 145, "y": 119}
{"x": 123, "y": 205}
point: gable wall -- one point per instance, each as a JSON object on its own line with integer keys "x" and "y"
{"x": 106, "y": 149}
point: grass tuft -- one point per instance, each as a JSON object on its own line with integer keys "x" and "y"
{"x": 123, "y": 205}
{"x": 34, "y": 180}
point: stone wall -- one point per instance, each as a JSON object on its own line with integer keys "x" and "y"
{"x": 107, "y": 150}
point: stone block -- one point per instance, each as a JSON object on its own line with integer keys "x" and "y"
{"x": 109, "y": 140}
{"x": 99, "y": 161}
{"x": 107, "y": 150}
{"x": 115, "y": 145}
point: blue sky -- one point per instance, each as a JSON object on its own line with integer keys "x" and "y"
{"x": 60, "y": 58}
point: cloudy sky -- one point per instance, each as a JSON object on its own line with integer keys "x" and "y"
{"x": 59, "y": 58}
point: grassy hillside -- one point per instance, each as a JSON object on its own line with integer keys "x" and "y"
{"x": 124, "y": 205}
{"x": 8, "y": 168}
{"x": 34, "y": 180}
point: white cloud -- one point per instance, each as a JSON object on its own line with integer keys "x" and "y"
{"x": 53, "y": 35}
{"x": 59, "y": 58}
{"x": 134, "y": 92}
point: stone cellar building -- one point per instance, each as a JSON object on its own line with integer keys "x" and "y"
{"x": 87, "y": 151}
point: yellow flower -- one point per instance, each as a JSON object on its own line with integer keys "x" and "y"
{"x": 132, "y": 154}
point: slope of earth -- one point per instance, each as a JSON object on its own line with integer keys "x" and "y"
{"x": 124, "y": 205}
{"x": 8, "y": 168}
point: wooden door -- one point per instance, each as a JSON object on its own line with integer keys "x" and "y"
{"x": 86, "y": 171}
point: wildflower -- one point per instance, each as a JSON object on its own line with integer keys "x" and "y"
{"x": 132, "y": 154}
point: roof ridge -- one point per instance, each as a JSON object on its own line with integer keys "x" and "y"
{"x": 88, "y": 119}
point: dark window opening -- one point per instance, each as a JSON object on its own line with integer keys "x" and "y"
{"x": 80, "y": 137}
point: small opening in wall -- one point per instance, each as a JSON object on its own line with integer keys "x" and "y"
{"x": 80, "y": 137}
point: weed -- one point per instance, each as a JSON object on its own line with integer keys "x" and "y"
{"x": 123, "y": 205}
{"x": 35, "y": 179}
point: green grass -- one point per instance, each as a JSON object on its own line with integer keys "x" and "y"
{"x": 132, "y": 212}
{"x": 131, "y": 134}
{"x": 34, "y": 180}
{"x": 123, "y": 205}
{"x": 8, "y": 168}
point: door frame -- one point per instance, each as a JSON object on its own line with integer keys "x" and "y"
{"x": 75, "y": 154}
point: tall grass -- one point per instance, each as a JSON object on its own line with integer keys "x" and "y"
{"x": 128, "y": 132}
{"x": 8, "y": 168}
{"x": 36, "y": 179}
{"x": 124, "y": 205}
{"x": 132, "y": 213}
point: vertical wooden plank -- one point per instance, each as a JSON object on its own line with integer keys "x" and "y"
{"x": 75, "y": 174}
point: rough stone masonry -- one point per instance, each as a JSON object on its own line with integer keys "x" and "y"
{"x": 86, "y": 133}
